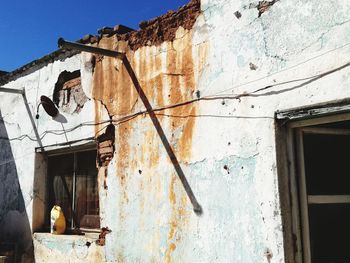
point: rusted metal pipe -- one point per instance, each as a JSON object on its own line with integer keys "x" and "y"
{"x": 81, "y": 47}
{"x": 15, "y": 91}
{"x": 22, "y": 92}
{"x": 111, "y": 53}
{"x": 26, "y": 104}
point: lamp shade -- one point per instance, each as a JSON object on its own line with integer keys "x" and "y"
{"x": 49, "y": 106}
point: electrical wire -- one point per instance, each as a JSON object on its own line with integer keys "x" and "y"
{"x": 215, "y": 96}
{"x": 62, "y": 132}
{"x": 280, "y": 71}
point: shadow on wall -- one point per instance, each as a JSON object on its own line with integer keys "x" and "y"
{"x": 15, "y": 232}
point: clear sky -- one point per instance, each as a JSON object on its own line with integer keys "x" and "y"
{"x": 29, "y": 29}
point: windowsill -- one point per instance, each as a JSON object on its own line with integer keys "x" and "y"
{"x": 71, "y": 231}
{"x": 87, "y": 237}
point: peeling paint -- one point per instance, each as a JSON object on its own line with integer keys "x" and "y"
{"x": 166, "y": 78}
{"x": 263, "y": 6}
{"x": 234, "y": 71}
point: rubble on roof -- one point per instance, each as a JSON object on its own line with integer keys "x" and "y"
{"x": 163, "y": 28}
{"x": 2, "y": 73}
{"x": 151, "y": 32}
{"x": 105, "y": 32}
{"x": 118, "y": 29}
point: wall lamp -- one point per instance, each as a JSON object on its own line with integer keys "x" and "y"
{"x": 48, "y": 106}
{"x": 46, "y": 102}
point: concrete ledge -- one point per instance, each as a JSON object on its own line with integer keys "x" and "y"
{"x": 57, "y": 248}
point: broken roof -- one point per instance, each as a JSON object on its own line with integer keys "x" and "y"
{"x": 151, "y": 32}
{"x": 3, "y": 73}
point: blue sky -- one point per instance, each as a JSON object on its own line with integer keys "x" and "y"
{"x": 30, "y": 29}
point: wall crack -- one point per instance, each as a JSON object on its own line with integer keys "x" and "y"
{"x": 320, "y": 38}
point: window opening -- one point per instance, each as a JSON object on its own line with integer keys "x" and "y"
{"x": 73, "y": 186}
{"x": 324, "y": 191}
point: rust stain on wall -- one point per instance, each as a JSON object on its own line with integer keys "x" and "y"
{"x": 170, "y": 250}
{"x": 173, "y": 221}
{"x": 112, "y": 87}
{"x": 120, "y": 258}
{"x": 167, "y": 75}
{"x": 179, "y": 217}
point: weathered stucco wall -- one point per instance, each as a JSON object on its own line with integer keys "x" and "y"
{"x": 227, "y": 76}
{"x": 141, "y": 177}
{"x": 296, "y": 52}
{"x": 23, "y": 172}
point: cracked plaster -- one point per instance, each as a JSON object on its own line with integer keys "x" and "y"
{"x": 289, "y": 43}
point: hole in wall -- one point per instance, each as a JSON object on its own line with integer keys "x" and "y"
{"x": 68, "y": 94}
{"x": 238, "y": 14}
{"x": 105, "y": 146}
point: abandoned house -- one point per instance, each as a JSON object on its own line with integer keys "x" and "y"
{"x": 219, "y": 132}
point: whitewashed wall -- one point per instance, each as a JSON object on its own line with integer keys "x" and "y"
{"x": 232, "y": 162}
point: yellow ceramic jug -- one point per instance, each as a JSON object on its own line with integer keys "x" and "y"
{"x": 58, "y": 221}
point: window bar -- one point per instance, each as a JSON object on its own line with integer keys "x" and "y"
{"x": 74, "y": 222}
{"x": 86, "y": 193}
{"x": 328, "y": 199}
{"x": 69, "y": 197}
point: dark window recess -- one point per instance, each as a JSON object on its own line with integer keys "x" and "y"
{"x": 327, "y": 174}
{"x": 329, "y": 232}
{"x": 73, "y": 186}
{"x": 327, "y": 165}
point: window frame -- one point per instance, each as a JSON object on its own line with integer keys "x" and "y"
{"x": 53, "y": 151}
{"x": 292, "y": 179}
